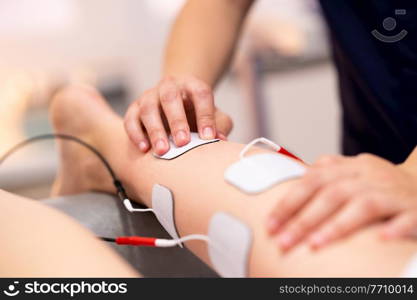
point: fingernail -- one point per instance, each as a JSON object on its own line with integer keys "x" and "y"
{"x": 273, "y": 224}
{"x": 317, "y": 240}
{"x": 143, "y": 145}
{"x": 285, "y": 240}
{"x": 160, "y": 145}
{"x": 208, "y": 132}
{"x": 181, "y": 137}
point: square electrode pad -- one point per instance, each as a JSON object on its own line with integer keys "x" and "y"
{"x": 229, "y": 246}
{"x": 256, "y": 173}
{"x": 175, "y": 151}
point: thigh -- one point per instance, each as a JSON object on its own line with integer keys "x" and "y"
{"x": 38, "y": 241}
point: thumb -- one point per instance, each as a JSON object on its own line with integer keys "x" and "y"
{"x": 224, "y": 123}
{"x": 404, "y": 225}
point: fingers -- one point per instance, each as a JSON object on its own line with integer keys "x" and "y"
{"x": 322, "y": 174}
{"x": 172, "y": 104}
{"x": 290, "y": 203}
{"x": 203, "y": 100}
{"x": 404, "y": 225}
{"x": 324, "y": 204}
{"x": 152, "y": 121}
{"x": 301, "y": 192}
{"x": 355, "y": 215}
{"x": 186, "y": 102}
{"x": 134, "y": 129}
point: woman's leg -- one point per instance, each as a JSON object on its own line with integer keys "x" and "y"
{"x": 196, "y": 180}
{"x": 38, "y": 241}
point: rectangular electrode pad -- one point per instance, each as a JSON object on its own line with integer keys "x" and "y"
{"x": 256, "y": 173}
{"x": 175, "y": 151}
{"x": 163, "y": 208}
{"x": 229, "y": 246}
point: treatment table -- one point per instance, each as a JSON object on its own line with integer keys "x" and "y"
{"x": 106, "y": 216}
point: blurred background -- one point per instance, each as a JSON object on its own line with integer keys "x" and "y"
{"x": 281, "y": 85}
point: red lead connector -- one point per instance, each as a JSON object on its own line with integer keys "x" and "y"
{"x": 146, "y": 241}
{"x": 271, "y": 144}
{"x": 154, "y": 242}
{"x": 136, "y": 241}
{"x": 284, "y": 151}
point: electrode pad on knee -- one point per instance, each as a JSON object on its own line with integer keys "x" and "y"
{"x": 256, "y": 173}
{"x": 163, "y": 208}
{"x": 229, "y": 246}
{"x": 175, "y": 151}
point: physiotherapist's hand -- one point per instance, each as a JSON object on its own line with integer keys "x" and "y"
{"x": 339, "y": 195}
{"x": 176, "y": 105}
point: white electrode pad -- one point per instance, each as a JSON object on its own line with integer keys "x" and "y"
{"x": 256, "y": 173}
{"x": 163, "y": 208}
{"x": 175, "y": 151}
{"x": 229, "y": 246}
{"x": 411, "y": 269}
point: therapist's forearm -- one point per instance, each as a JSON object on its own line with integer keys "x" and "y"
{"x": 203, "y": 38}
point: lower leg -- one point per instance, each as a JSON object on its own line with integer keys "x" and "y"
{"x": 200, "y": 191}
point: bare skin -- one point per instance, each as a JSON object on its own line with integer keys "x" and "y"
{"x": 196, "y": 56}
{"x": 200, "y": 191}
{"x": 38, "y": 241}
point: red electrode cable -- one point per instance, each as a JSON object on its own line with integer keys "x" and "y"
{"x": 136, "y": 241}
{"x": 276, "y": 147}
{"x": 154, "y": 242}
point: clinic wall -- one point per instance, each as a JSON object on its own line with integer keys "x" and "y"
{"x": 302, "y": 110}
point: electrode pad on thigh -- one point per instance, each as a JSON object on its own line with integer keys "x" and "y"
{"x": 163, "y": 208}
{"x": 411, "y": 269}
{"x": 175, "y": 151}
{"x": 229, "y": 246}
{"x": 256, "y": 173}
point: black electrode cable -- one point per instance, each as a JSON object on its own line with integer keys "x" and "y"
{"x": 117, "y": 183}
{"x": 107, "y": 239}
{"x": 62, "y": 137}
{"x": 121, "y": 240}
